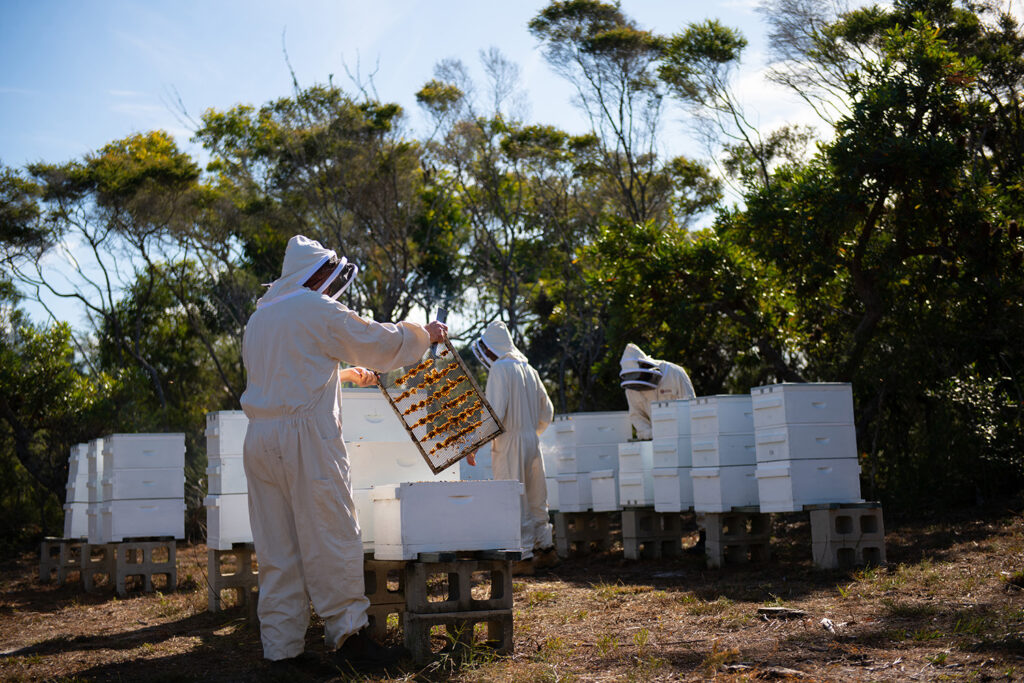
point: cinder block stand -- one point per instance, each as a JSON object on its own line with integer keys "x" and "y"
{"x": 97, "y": 560}
{"x": 60, "y": 556}
{"x": 231, "y": 570}
{"x": 651, "y": 535}
{"x": 739, "y": 536}
{"x": 138, "y": 557}
{"x": 847, "y": 535}
{"x": 385, "y": 589}
{"x": 459, "y": 611}
{"x": 580, "y": 533}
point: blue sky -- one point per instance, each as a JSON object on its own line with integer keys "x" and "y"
{"x": 77, "y": 75}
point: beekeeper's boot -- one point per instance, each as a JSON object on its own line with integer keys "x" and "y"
{"x": 360, "y": 651}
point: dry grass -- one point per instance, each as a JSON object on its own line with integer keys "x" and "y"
{"x": 949, "y": 606}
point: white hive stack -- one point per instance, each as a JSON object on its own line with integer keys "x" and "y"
{"x": 76, "y": 502}
{"x": 636, "y": 474}
{"x": 94, "y": 461}
{"x": 437, "y": 516}
{"x": 672, "y": 462}
{"x": 143, "y": 486}
{"x": 806, "y": 445}
{"x": 722, "y": 447}
{"x": 586, "y": 443}
{"x": 227, "y": 505}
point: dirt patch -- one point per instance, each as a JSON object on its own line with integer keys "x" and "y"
{"x": 949, "y": 606}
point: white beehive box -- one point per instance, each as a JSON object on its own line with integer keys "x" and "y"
{"x": 94, "y": 492}
{"x": 77, "y": 491}
{"x": 123, "y": 519}
{"x": 76, "y": 520}
{"x": 587, "y": 458}
{"x": 722, "y": 414}
{"x": 604, "y": 491}
{"x": 636, "y": 489}
{"x": 575, "y": 429}
{"x": 148, "y": 483}
{"x": 434, "y": 516}
{"x": 366, "y": 415}
{"x": 94, "y": 514}
{"x": 673, "y": 489}
{"x": 143, "y": 451}
{"x": 226, "y": 476}
{"x": 225, "y": 434}
{"x": 95, "y": 461}
{"x": 636, "y": 456}
{"x": 78, "y": 462}
{"x": 552, "y": 486}
{"x": 573, "y": 492}
{"x": 227, "y": 520}
{"x": 720, "y": 489}
{"x": 723, "y": 450}
{"x": 364, "y": 513}
{"x": 390, "y": 462}
{"x": 822, "y": 402}
{"x": 671, "y": 452}
{"x": 787, "y": 486}
{"x": 670, "y": 419}
{"x": 806, "y": 442}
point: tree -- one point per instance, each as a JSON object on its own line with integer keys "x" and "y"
{"x": 339, "y": 170}
{"x": 47, "y": 404}
{"x": 899, "y": 239}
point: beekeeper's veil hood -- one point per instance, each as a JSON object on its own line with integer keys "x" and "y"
{"x": 638, "y": 370}
{"x": 496, "y": 344}
{"x": 302, "y": 258}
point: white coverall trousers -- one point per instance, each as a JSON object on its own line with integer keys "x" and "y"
{"x": 507, "y": 463}
{"x": 305, "y": 529}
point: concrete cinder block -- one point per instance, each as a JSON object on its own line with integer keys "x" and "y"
{"x": 232, "y": 569}
{"x": 459, "y": 597}
{"x": 460, "y": 627}
{"x": 138, "y": 558}
{"x": 651, "y": 535}
{"x": 578, "y": 533}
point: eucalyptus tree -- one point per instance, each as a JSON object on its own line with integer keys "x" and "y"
{"x": 341, "y": 170}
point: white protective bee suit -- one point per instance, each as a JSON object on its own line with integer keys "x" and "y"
{"x": 300, "y": 497}
{"x": 647, "y": 380}
{"x": 520, "y": 401}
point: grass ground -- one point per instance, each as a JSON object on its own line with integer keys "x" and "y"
{"x": 949, "y": 606}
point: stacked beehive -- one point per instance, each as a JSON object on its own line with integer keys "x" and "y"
{"x": 76, "y": 502}
{"x": 143, "y": 486}
{"x": 672, "y": 461}
{"x": 586, "y": 449}
{"x": 94, "y": 458}
{"x": 806, "y": 445}
{"x": 724, "y": 458}
{"x": 227, "y": 502}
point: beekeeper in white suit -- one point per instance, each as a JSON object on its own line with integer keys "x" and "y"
{"x": 647, "y": 380}
{"x": 300, "y": 497}
{"x": 520, "y": 401}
